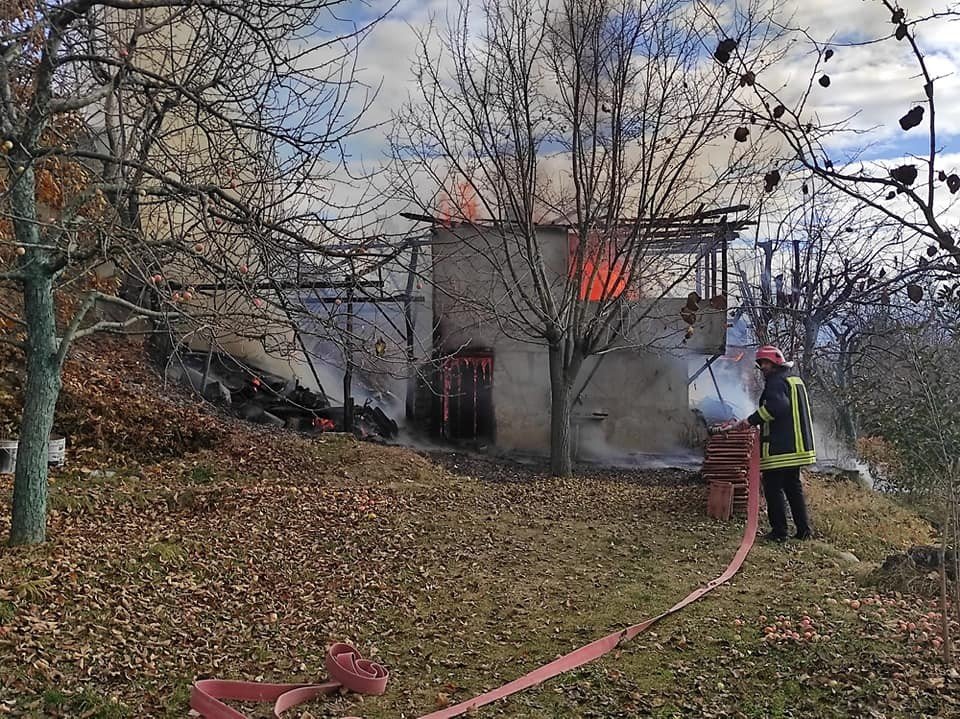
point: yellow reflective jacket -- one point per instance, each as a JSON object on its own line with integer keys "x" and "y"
{"x": 786, "y": 427}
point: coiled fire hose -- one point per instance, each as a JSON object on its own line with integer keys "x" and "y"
{"x": 348, "y": 670}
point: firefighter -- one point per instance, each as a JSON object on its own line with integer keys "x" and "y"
{"x": 786, "y": 443}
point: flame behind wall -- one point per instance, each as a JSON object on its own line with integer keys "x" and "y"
{"x": 603, "y": 277}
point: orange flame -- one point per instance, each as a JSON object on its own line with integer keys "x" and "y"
{"x": 603, "y": 276}
{"x": 464, "y": 209}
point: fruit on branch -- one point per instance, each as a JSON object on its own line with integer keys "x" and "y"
{"x": 913, "y": 118}
{"x": 724, "y": 50}
{"x": 905, "y": 174}
{"x": 771, "y": 180}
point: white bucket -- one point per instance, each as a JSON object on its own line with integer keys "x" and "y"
{"x": 56, "y": 453}
{"x": 8, "y": 455}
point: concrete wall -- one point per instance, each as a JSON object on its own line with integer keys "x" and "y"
{"x": 645, "y": 397}
{"x": 521, "y": 399}
{"x": 642, "y": 392}
{"x": 642, "y": 397}
{"x": 659, "y": 324}
{"x": 472, "y": 304}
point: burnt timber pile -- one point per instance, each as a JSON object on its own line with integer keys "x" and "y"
{"x": 261, "y": 397}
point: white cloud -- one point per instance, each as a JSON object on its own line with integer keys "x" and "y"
{"x": 873, "y": 84}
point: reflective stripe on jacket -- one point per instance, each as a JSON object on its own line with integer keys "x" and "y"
{"x": 786, "y": 428}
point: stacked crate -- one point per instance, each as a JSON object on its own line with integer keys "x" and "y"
{"x": 726, "y": 469}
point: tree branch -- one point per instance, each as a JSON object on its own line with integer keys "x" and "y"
{"x": 73, "y": 331}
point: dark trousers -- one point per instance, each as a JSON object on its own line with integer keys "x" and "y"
{"x": 778, "y": 483}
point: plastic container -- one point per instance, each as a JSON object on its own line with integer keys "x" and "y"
{"x": 56, "y": 453}
{"x": 8, "y": 455}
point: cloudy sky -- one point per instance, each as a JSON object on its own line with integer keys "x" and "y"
{"x": 873, "y": 83}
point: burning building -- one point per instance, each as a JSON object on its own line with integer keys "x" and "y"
{"x": 492, "y": 380}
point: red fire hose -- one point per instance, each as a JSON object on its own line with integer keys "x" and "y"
{"x": 350, "y": 671}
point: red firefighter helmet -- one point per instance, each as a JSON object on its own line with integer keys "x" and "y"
{"x": 774, "y": 355}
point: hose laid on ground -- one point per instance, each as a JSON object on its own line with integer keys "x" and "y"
{"x": 344, "y": 664}
{"x": 348, "y": 670}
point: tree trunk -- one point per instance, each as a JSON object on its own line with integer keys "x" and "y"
{"x": 39, "y": 402}
{"x": 561, "y": 395}
{"x": 811, "y": 333}
{"x": 944, "y": 603}
{"x": 846, "y": 418}
{"x": 29, "y": 520}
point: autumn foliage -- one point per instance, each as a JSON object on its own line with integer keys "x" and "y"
{"x": 111, "y": 401}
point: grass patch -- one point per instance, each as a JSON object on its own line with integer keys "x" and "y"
{"x": 176, "y": 704}
{"x": 87, "y": 703}
{"x": 202, "y": 474}
{"x": 35, "y": 590}
{"x": 856, "y": 519}
{"x": 456, "y": 583}
{"x": 167, "y": 552}
{"x": 85, "y": 491}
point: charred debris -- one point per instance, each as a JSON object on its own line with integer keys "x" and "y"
{"x": 256, "y": 395}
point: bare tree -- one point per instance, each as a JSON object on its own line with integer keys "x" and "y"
{"x": 912, "y": 403}
{"x": 915, "y": 411}
{"x": 827, "y": 263}
{"x": 604, "y": 117}
{"x": 163, "y": 158}
{"x": 914, "y": 192}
